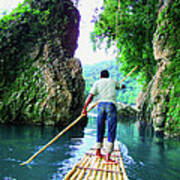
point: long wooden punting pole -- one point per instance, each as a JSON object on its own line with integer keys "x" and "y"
{"x": 56, "y": 137}
{"x": 128, "y": 74}
{"x": 68, "y": 127}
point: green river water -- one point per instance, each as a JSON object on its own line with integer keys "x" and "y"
{"x": 146, "y": 157}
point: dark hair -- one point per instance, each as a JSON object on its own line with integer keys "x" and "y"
{"x": 104, "y": 74}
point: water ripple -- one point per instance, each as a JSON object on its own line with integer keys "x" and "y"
{"x": 128, "y": 159}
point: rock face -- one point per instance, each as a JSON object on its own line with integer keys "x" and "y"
{"x": 46, "y": 86}
{"x": 126, "y": 113}
{"x": 65, "y": 85}
{"x": 157, "y": 102}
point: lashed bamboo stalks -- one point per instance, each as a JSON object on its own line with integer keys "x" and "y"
{"x": 90, "y": 172}
{"x": 94, "y": 168}
{"x": 81, "y": 175}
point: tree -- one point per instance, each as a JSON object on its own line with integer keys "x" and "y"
{"x": 129, "y": 25}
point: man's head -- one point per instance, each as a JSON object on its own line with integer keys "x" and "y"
{"x": 104, "y": 74}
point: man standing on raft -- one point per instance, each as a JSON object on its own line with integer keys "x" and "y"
{"x": 105, "y": 88}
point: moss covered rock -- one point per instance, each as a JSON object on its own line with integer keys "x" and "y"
{"x": 41, "y": 82}
{"x": 160, "y": 103}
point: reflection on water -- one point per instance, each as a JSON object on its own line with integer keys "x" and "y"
{"x": 17, "y": 143}
{"x": 146, "y": 157}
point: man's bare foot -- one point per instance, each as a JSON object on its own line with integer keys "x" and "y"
{"x": 98, "y": 153}
{"x": 109, "y": 160}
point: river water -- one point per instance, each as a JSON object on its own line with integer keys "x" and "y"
{"x": 146, "y": 157}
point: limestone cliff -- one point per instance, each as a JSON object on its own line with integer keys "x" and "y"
{"x": 159, "y": 104}
{"x": 41, "y": 81}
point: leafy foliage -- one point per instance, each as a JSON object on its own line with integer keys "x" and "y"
{"x": 131, "y": 27}
{"x": 168, "y": 29}
{"x": 23, "y": 34}
{"x": 173, "y": 106}
{"x": 23, "y": 100}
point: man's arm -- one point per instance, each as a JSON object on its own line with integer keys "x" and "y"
{"x": 90, "y": 98}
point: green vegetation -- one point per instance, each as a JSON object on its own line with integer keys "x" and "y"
{"x": 169, "y": 28}
{"x": 23, "y": 34}
{"x": 131, "y": 27}
{"x": 21, "y": 94}
{"x": 91, "y": 73}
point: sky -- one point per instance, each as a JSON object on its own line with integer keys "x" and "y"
{"x": 9, "y": 4}
{"x": 84, "y": 51}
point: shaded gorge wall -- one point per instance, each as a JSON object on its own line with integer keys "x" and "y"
{"x": 160, "y": 102}
{"x": 41, "y": 81}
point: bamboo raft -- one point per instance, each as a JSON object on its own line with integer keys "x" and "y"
{"x": 91, "y": 167}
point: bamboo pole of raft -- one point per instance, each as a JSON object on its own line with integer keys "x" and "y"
{"x": 73, "y": 170}
{"x": 109, "y": 174}
{"x": 114, "y": 166}
{"x": 123, "y": 169}
{"x": 120, "y": 175}
{"x": 81, "y": 175}
{"x": 91, "y": 165}
{"x": 96, "y": 167}
{"x": 56, "y": 137}
{"x": 105, "y": 172}
{"x": 70, "y": 173}
{"x": 115, "y": 174}
{"x": 99, "y": 175}
{"x": 79, "y": 170}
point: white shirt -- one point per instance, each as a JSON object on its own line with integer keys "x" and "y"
{"x": 105, "y": 89}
